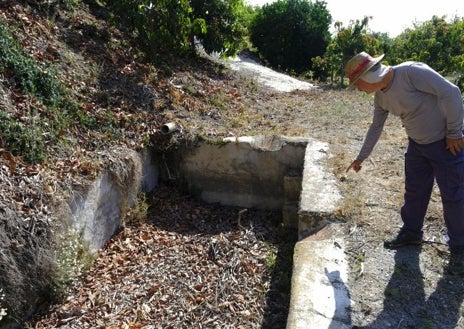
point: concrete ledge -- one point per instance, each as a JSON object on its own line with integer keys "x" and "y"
{"x": 319, "y": 194}
{"x": 319, "y": 297}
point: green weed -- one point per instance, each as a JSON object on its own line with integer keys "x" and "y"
{"x": 138, "y": 214}
{"x": 48, "y": 109}
{"x": 73, "y": 260}
{"x": 43, "y": 97}
{"x": 271, "y": 260}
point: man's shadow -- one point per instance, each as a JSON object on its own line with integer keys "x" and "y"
{"x": 404, "y": 294}
{"x": 447, "y": 300}
{"x": 405, "y": 302}
{"x": 342, "y": 317}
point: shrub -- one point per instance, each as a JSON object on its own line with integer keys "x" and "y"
{"x": 47, "y": 108}
{"x": 288, "y": 33}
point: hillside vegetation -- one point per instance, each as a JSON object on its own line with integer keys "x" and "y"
{"x": 72, "y": 88}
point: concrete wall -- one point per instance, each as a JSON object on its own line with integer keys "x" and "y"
{"x": 246, "y": 172}
{"x": 320, "y": 196}
{"x": 95, "y": 212}
{"x": 277, "y": 173}
{"x": 255, "y": 172}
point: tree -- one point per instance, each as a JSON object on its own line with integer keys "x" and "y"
{"x": 347, "y": 42}
{"x": 166, "y": 26}
{"x": 438, "y": 43}
{"x": 288, "y": 33}
{"x": 224, "y": 31}
{"x": 161, "y": 26}
{"x": 435, "y": 42}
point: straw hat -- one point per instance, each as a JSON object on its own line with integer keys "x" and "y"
{"x": 358, "y": 67}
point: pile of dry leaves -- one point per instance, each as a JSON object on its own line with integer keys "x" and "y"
{"x": 190, "y": 266}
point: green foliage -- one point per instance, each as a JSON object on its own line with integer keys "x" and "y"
{"x": 29, "y": 76}
{"x": 24, "y": 136}
{"x": 271, "y": 260}
{"x": 320, "y": 66}
{"x": 347, "y": 42}
{"x": 21, "y": 139}
{"x": 246, "y": 14}
{"x": 288, "y": 33}
{"x": 48, "y": 107}
{"x": 199, "y": 26}
{"x": 137, "y": 214}
{"x": 437, "y": 42}
{"x": 161, "y": 26}
{"x": 73, "y": 259}
{"x": 165, "y": 27}
{"x": 225, "y": 30}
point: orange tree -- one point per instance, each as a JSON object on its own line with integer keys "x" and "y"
{"x": 438, "y": 43}
{"x": 347, "y": 42}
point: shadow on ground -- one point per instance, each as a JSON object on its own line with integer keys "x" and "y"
{"x": 411, "y": 299}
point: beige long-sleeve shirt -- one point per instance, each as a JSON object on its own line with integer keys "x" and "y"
{"x": 430, "y": 107}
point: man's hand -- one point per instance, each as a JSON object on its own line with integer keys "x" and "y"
{"x": 355, "y": 165}
{"x": 454, "y": 145}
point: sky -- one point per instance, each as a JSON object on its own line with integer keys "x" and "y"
{"x": 391, "y": 16}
